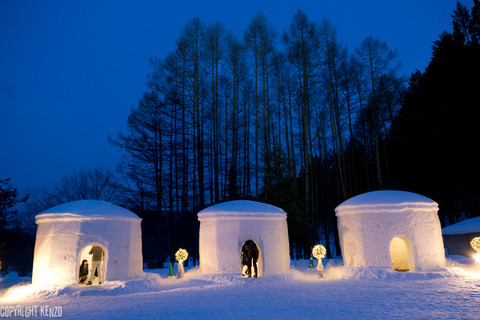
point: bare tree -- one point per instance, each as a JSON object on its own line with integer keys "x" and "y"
{"x": 193, "y": 41}
{"x": 95, "y": 184}
{"x": 380, "y": 64}
{"x": 215, "y": 34}
{"x": 143, "y": 145}
{"x": 303, "y": 52}
{"x": 235, "y": 64}
{"x": 259, "y": 42}
{"x": 335, "y": 57}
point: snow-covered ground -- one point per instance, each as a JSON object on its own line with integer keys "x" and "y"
{"x": 343, "y": 293}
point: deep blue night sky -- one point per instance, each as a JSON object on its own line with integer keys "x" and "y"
{"x": 70, "y": 71}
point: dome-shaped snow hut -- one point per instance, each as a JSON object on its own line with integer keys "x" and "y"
{"x": 391, "y": 229}
{"x": 457, "y": 237}
{"x": 225, "y": 228}
{"x": 66, "y": 234}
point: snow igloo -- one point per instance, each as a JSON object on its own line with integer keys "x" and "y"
{"x": 393, "y": 229}
{"x": 226, "y": 227}
{"x": 457, "y": 237}
{"x": 67, "y": 232}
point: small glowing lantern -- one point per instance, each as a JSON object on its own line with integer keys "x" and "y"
{"x": 181, "y": 255}
{"x": 475, "y": 243}
{"x": 319, "y": 252}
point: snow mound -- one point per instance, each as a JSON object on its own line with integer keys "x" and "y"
{"x": 335, "y": 270}
{"x": 371, "y": 273}
{"x": 147, "y": 283}
{"x": 457, "y": 266}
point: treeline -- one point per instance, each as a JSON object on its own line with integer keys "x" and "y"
{"x": 293, "y": 119}
{"x": 296, "y": 120}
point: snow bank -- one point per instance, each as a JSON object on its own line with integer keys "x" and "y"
{"x": 27, "y": 291}
{"x": 158, "y": 280}
{"x": 345, "y": 292}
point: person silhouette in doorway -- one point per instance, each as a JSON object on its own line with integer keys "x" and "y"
{"x": 97, "y": 258}
{"x": 83, "y": 273}
{"x": 250, "y": 257}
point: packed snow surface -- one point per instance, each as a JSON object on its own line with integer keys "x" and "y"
{"x": 466, "y": 226}
{"x": 88, "y": 209}
{"x": 386, "y": 197}
{"x": 344, "y": 292}
{"x": 241, "y": 208}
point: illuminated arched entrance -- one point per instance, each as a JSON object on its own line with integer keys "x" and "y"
{"x": 84, "y": 255}
{"x": 401, "y": 254}
{"x": 259, "y": 260}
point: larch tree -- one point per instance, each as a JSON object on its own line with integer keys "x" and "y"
{"x": 303, "y": 52}
{"x": 235, "y": 64}
{"x": 193, "y": 38}
{"x": 143, "y": 145}
{"x": 259, "y": 42}
{"x": 214, "y": 36}
{"x": 380, "y": 66}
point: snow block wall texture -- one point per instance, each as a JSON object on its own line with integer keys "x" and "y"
{"x": 225, "y": 227}
{"x": 373, "y": 224}
{"x": 64, "y": 232}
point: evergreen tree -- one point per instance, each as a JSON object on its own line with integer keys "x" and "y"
{"x": 8, "y": 200}
{"x": 475, "y": 23}
{"x": 433, "y": 139}
{"x": 283, "y": 192}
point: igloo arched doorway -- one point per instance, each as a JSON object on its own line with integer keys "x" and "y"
{"x": 370, "y": 221}
{"x": 256, "y": 263}
{"x": 86, "y": 254}
{"x": 401, "y": 254}
{"x": 226, "y": 226}
{"x": 64, "y": 231}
